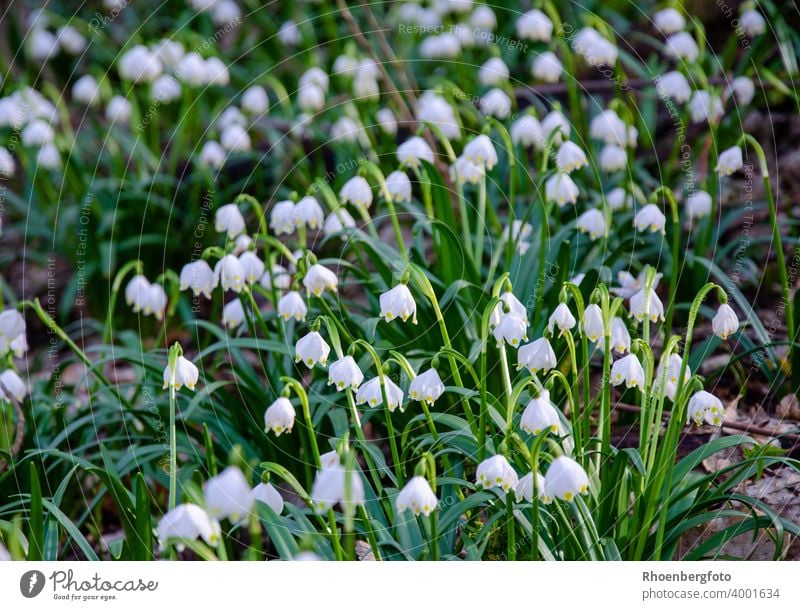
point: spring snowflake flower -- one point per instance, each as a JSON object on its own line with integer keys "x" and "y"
{"x": 291, "y": 305}
{"x": 186, "y": 374}
{"x": 620, "y": 337}
{"x": 365, "y": 89}
{"x": 492, "y": 73}
{"x": 561, "y": 189}
{"x": 312, "y": 349}
{"x": 169, "y": 53}
{"x": 370, "y": 393}
{"x": 618, "y": 199}
{"x": 191, "y": 70}
{"x": 233, "y": 314}
{"x": 426, "y": 387}
{"x": 613, "y": 158}
{"x": 386, "y": 121}
{"x": 496, "y": 472}
{"x": 11, "y": 383}
{"x": 743, "y": 90}
{"x": 309, "y": 212}
{"x": 705, "y": 407}
{"x": 311, "y": 99}
{"x": 398, "y": 303}
{"x": 527, "y": 131}
{"x": 593, "y": 223}
{"x": 698, "y": 204}
{"x": 481, "y": 152}
{"x": 338, "y": 221}
{"x": 330, "y": 488}
{"x": 627, "y": 370}
{"x": 534, "y": 26}
{"x": 48, "y": 157}
{"x": 230, "y": 273}
{"x": 704, "y": 107}
{"x": 255, "y": 100}
{"x": 565, "y": 479}
{"x": 561, "y": 318}
{"x": 512, "y": 329}
{"x": 228, "y": 495}
{"x": 289, "y": 34}
{"x": 235, "y": 138}
{"x": 267, "y": 494}
{"x": 139, "y": 65}
{"x": 433, "y": 108}
{"x": 7, "y": 169}
{"x": 725, "y": 322}
{"x": 514, "y": 306}
{"x": 630, "y": 285}
{"x": 570, "y": 157}
{"x": 672, "y": 373}
{"x": 753, "y": 23}
{"x": 596, "y": 50}
{"x": 345, "y": 373}
{"x": 278, "y": 277}
{"x": 282, "y": 218}
{"x": 729, "y": 161}
{"x": 252, "y": 265}
{"x": 155, "y": 301}
{"x": 213, "y": 155}
{"x": 166, "y": 89}
{"x": 37, "y": 133}
{"x": 547, "y": 67}
{"x": 188, "y": 521}
{"x": 650, "y": 218}
{"x": 539, "y": 415}
{"x": 12, "y": 327}
{"x": 357, "y": 191}
{"x": 537, "y": 356}
{"x": 669, "y": 21}
{"x": 135, "y": 292}
{"x": 524, "y": 489}
{"x": 345, "y": 66}
{"x": 414, "y": 150}
{"x": 608, "y": 127}
{"x": 673, "y": 85}
{"x": 441, "y": 46}
{"x": 682, "y": 46}
{"x": 279, "y": 416}
{"x": 593, "y": 326}
{"x": 465, "y": 171}
{"x": 229, "y": 220}
{"x": 649, "y": 305}
{"x": 319, "y": 278}
{"x": 496, "y": 103}
{"x": 399, "y": 186}
{"x": 555, "y": 122}
{"x": 86, "y": 90}
{"x": 418, "y": 497}
{"x": 71, "y": 40}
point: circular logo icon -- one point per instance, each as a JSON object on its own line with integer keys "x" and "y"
{"x": 31, "y": 583}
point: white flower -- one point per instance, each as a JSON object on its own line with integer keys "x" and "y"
{"x": 417, "y": 496}
{"x": 481, "y": 152}
{"x": 729, "y": 161}
{"x": 433, "y": 108}
{"x": 613, "y": 158}
{"x": 651, "y": 218}
{"x": 617, "y": 198}
{"x": 198, "y": 276}
{"x": 169, "y": 53}
{"x": 18, "y": 345}
{"x": 12, "y": 326}
{"x": 135, "y": 292}
{"x": 337, "y": 221}
{"x": 279, "y": 416}
{"x": 139, "y": 65}
{"x": 628, "y": 370}
{"x": 725, "y": 322}
{"x": 255, "y": 100}
{"x": 11, "y": 383}
{"x": 496, "y": 103}
{"x": 191, "y": 70}
{"x": 620, "y": 337}
{"x": 235, "y": 138}
{"x": 669, "y": 21}
{"x": 319, "y": 278}
{"x": 42, "y": 45}
{"x": 535, "y": 26}
{"x": 547, "y": 67}
{"x": 496, "y": 472}
{"x": 233, "y": 314}
{"x": 329, "y": 488}
{"x": 557, "y": 123}
{"x": 365, "y": 89}
{"x": 593, "y": 222}
{"x": 465, "y": 171}
{"x": 6, "y": 163}
{"x": 399, "y": 186}
{"x": 307, "y": 556}
{"x": 231, "y": 116}
{"x": 398, "y": 302}
{"x": 188, "y": 521}
{"x": 48, "y": 157}
{"x": 672, "y": 372}
{"x": 513, "y": 305}
{"x": 212, "y": 155}
{"x": 561, "y": 189}
{"x": 442, "y": 46}
{"x": 539, "y": 415}
{"x": 743, "y": 90}
{"x": 346, "y": 130}
{"x": 186, "y": 374}
{"x": 752, "y": 23}
{"x": 309, "y": 212}
{"x": 216, "y": 72}
{"x": 226, "y": 12}
{"x": 370, "y": 393}
{"x": 705, "y": 407}
{"x": 228, "y": 495}
{"x": 562, "y": 318}
{"x": 565, "y": 479}
{"x": 291, "y": 305}
{"x": 537, "y": 356}
{"x": 229, "y": 220}
{"x": 278, "y": 277}
{"x": 230, "y": 273}
{"x": 524, "y": 489}
{"x": 312, "y": 349}
{"x": 345, "y": 373}
{"x": 596, "y": 50}
{"x": 252, "y": 265}
{"x": 241, "y": 244}
{"x": 166, "y": 89}
{"x": 267, "y": 494}
{"x": 414, "y": 150}
{"x": 608, "y": 127}
{"x": 570, "y": 157}
{"x": 155, "y": 301}
{"x": 642, "y": 305}
{"x": 682, "y": 46}
{"x": 512, "y": 329}
{"x": 387, "y": 121}
{"x": 705, "y": 107}
{"x": 289, "y": 34}
{"x": 357, "y": 191}
{"x": 483, "y": 18}
{"x": 674, "y": 86}
{"x": 493, "y": 72}
{"x": 698, "y": 204}
{"x": 593, "y": 326}
{"x": 86, "y": 90}
{"x": 426, "y": 387}
{"x": 527, "y": 131}
{"x": 630, "y": 285}
{"x": 37, "y": 133}
{"x": 282, "y": 217}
